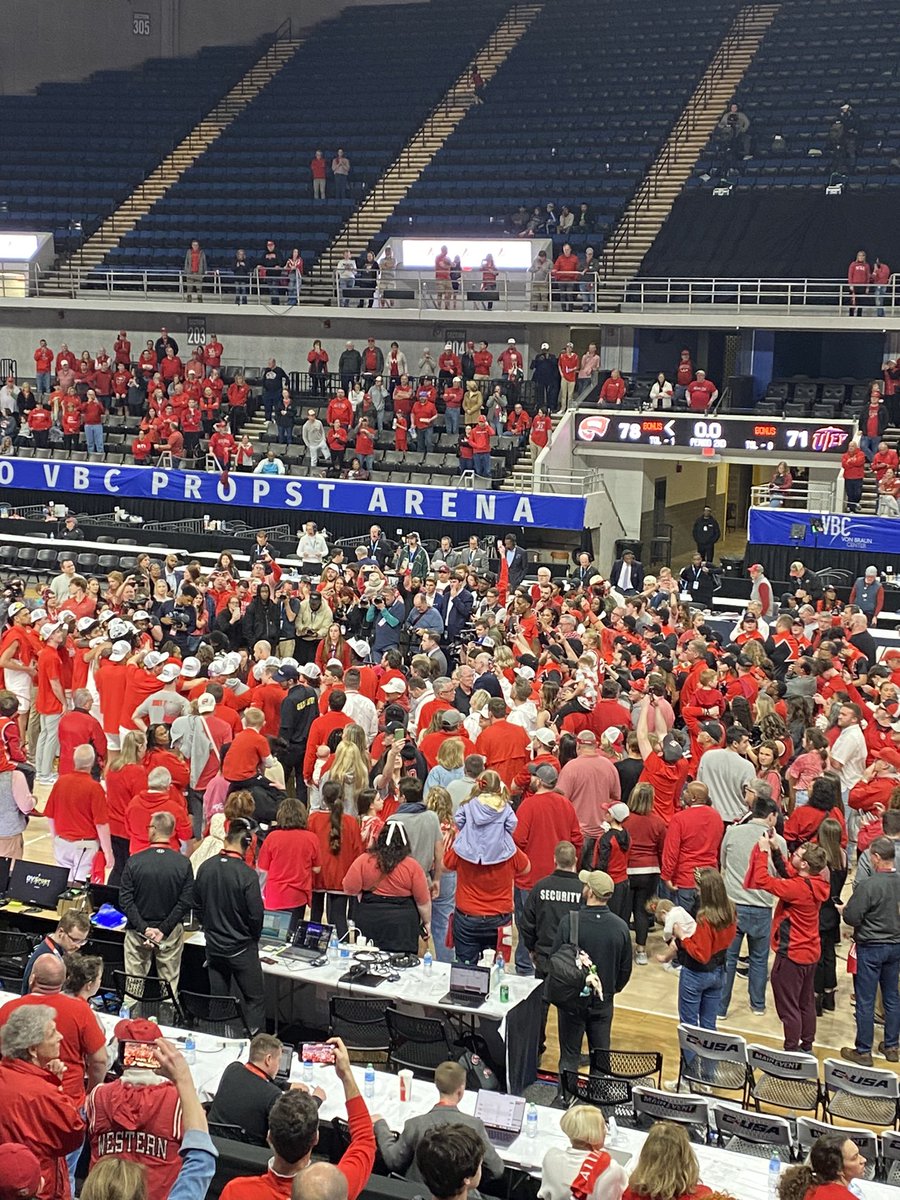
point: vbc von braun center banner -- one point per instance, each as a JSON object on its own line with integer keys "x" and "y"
{"x": 373, "y": 500}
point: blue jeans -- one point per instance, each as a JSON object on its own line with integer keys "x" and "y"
{"x": 93, "y": 435}
{"x": 482, "y": 463}
{"x": 877, "y": 965}
{"x": 441, "y": 909}
{"x": 699, "y": 996}
{"x": 42, "y": 382}
{"x": 524, "y": 965}
{"x": 473, "y": 935}
{"x": 755, "y": 923}
{"x": 451, "y": 420}
{"x": 869, "y": 446}
{"x": 72, "y": 1161}
{"x": 366, "y": 461}
{"x": 425, "y": 440}
{"x": 880, "y": 290}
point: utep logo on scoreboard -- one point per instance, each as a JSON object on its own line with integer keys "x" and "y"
{"x": 593, "y": 427}
{"x": 828, "y": 438}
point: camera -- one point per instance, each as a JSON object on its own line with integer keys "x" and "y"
{"x": 378, "y": 601}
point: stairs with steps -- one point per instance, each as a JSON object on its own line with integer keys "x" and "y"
{"x": 399, "y": 177}
{"x": 868, "y": 505}
{"x": 521, "y": 477}
{"x": 64, "y": 279}
{"x": 651, "y": 205}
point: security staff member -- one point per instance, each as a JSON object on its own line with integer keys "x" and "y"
{"x": 229, "y": 905}
{"x": 547, "y": 903}
{"x": 299, "y": 709}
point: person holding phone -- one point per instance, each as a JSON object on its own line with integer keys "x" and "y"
{"x": 248, "y": 1089}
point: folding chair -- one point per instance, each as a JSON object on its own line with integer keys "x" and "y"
{"x": 637, "y": 1066}
{"x": 692, "y": 1111}
{"x": 419, "y": 1044}
{"x": 15, "y": 951}
{"x": 808, "y": 1130}
{"x": 862, "y": 1094}
{"x": 890, "y": 1156}
{"x": 784, "y": 1079}
{"x": 752, "y": 1132}
{"x": 360, "y": 1022}
{"x": 612, "y": 1096}
{"x": 147, "y": 996}
{"x": 219, "y": 1015}
{"x": 712, "y": 1060}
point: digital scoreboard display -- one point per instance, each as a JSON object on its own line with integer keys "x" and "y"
{"x": 710, "y": 435}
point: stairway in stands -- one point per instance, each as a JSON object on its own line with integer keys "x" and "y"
{"x": 113, "y": 229}
{"x": 377, "y": 205}
{"x": 651, "y": 205}
{"x": 868, "y": 505}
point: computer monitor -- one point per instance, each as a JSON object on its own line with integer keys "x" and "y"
{"x": 310, "y": 935}
{"x": 36, "y": 884}
{"x": 276, "y": 926}
{"x": 5, "y": 868}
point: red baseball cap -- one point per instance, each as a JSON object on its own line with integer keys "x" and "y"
{"x": 20, "y": 1172}
{"x": 137, "y": 1029}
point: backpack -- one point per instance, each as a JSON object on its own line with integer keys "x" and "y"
{"x": 565, "y": 977}
{"x": 481, "y": 1074}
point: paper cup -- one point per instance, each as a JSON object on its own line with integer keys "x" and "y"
{"x": 406, "y": 1081}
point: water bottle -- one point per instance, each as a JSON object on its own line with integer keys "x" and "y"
{"x": 124, "y": 1014}
{"x": 612, "y": 1131}
{"x": 344, "y": 954}
{"x": 531, "y": 1122}
{"x": 499, "y": 969}
{"x": 333, "y": 949}
{"x": 369, "y": 1083}
{"x": 190, "y": 1050}
{"x": 774, "y": 1174}
{"x": 307, "y": 1071}
{"x": 427, "y": 963}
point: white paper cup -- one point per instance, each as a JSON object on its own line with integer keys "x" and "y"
{"x": 406, "y": 1082}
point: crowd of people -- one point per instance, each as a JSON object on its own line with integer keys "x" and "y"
{"x": 448, "y": 751}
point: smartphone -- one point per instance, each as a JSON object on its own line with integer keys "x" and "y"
{"x": 140, "y": 1054}
{"x": 399, "y": 735}
{"x": 318, "y": 1052}
{"x": 284, "y": 1066}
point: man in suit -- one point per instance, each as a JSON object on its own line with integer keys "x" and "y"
{"x": 583, "y": 570}
{"x": 455, "y": 606}
{"x": 627, "y": 574}
{"x": 473, "y": 558}
{"x": 516, "y": 562}
{"x": 400, "y": 1155}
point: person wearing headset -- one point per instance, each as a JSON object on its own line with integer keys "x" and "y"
{"x": 230, "y": 909}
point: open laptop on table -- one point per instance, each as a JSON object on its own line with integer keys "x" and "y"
{"x": 469, "y": 986}
{"x": 310, "y": 942}
{"x": 502, "y": 1116}
{"x": 276, "y": 931}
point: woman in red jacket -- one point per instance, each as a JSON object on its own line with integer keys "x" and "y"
{"x": 288, "y": 861}
{"x": 702, "y": 953}
{"x": 647, "y": 831}
{"x": 824, "y": 801}
{"x": 333, "y": 645}
{"x": 340, "y": 843}
{"x": 126, "y": 775}
{"x": 318, "y": 368}
{"x": 853, "y": 464}
{"x": 834, "y": 1163}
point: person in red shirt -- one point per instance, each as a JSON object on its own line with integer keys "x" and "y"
{"x": 567, "y": 364}
{"x": 142, "y": 448}
{"x": 859, "y": 275}
{"x": 78, "y": 728}
{"x": 885, "y": 459}
{"x": 401, "y": 432}
{"x": 70, "y": 423}
{"x": 212, "y": 352}
{"x": 479, "y": 438}
{"x": 336, "y": 440}
{"x": 122, "y": 349}
{"x": 483, "y": 361}
{"x": 317, "y": 171}
{"x": 364, "y": 446}
{"x": 449, "y": 364}
{"x": 613, "y": 389}
{"x": 701, "y": 393}
{"x": 853, "y": 464}
{"x": 541, "y": 429}
{"x": 170, "y": 366}
{"x": 159, "y": 796}
{"x": 39, "y": 421}
{"x": 50, "y": 700}
{"x": 518, "y": 423}
{"x": 249, "y": 754}
{"x": 333, "y": 718}
{"x": 92, "y": 414}
{"x": 288, "y": 860}
{"x": 423, "y": 416}
{"x": 511, "y": 359}
{"x": 148, "y": 362}
{"x": 665, "y": 770}
{"x": 684, "y": 373}
{"x": 566, "y": 277}
{"x": 403, "y": 397}
{"x": 222, "y": 445}
{"x": 238, "y": 393}
{"x": 339, "y": 409}
{"x": 78, "y": 818}
{"x": 340, "y": 844}
{"x": 505, "y": 747}
{"x": 693, "y": 839}
{"x": 43, "y": 367}
{"x": 484, "y": 896}
{"x": 452, "y": 397}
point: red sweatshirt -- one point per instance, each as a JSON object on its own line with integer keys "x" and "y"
{"x": 795, "y": 926}
{"x": 707, "y": 943}
{"x": 693, "y": 839}
{"x": 803, "y": 824}
{"x": 545, "y": 819}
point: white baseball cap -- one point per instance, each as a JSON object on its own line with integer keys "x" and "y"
{"x": 154, "y": 659}
{"x": 394, "y": 687}
{"x": 15, "y": 608}
{"x": 48, "y": 629}
{"x": 190, "y": 667}
{"x": 84, "y": 623}
{"x": 120, "y": 650}
{"x": 39, "y": 614}
{"x": 206, "y": 703}
{"x": 118, "y": 628}
{"x": 359, "y": 647}
{"x": 169, "y": 673}
{"x": 140, "y": 615}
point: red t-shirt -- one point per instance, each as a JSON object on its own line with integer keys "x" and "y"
{"x": 485, "y": 889}
{"x": 245, "y": 755}
{"x": 49, "y": 669}
{"x": 335, "y": 866}
{"x": 505, "y": 748}
{"x": 288, "y": 856}
{"x": 139, "y": 1123}
{"x": 668, "y": 780}
{"x": 81, "y": 1034}
{"x": 76, "y": 805}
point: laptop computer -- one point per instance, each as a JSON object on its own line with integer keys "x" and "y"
{"x": 37, "y": 885}
{"x": 102, "y": 893}
{"x": 310, "y": 941}
{"x": 502, "y": 1116}
{"x": 469, "y": 986}
{"x": 276, "y": 930}
{"x": 5, "y": 869}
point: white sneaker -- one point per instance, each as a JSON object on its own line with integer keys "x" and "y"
{"x": 671, "y": 966}
{"x": 641, "y": 958}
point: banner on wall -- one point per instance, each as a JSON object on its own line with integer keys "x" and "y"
{"x": 373, "y": 500}
{"x": 824, "y": 531}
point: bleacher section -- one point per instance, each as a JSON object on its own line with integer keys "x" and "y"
{"x": 72, "y": 152}
{"x": 363, "y": 81}
{"x": 575, "y": 115}
{"x": 806, "y": 69}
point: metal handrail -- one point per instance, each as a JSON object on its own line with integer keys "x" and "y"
{"x": 817, "y": 496}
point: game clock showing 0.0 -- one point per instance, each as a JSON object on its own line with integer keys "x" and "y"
{"x": 711, "y": 434}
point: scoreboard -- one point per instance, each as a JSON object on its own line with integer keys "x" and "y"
{"x": 710, "y": 435}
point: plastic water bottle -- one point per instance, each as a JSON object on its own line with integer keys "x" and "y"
{"x": 307, "y": 1071}
{"x": 612, "y": 1131}
{"x": 427, "y": 963}
{"x": 774, "y": 1174}
{"x": 499, "y": 969}
{"x": 124, "y": 1014}
{"x": 333, "y": 949}
{"x": 343, "y": 953}
{"x": 531, "y": 1122}
{"x": 190, "y": 1050}
{"x": 369, "y": 1083}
